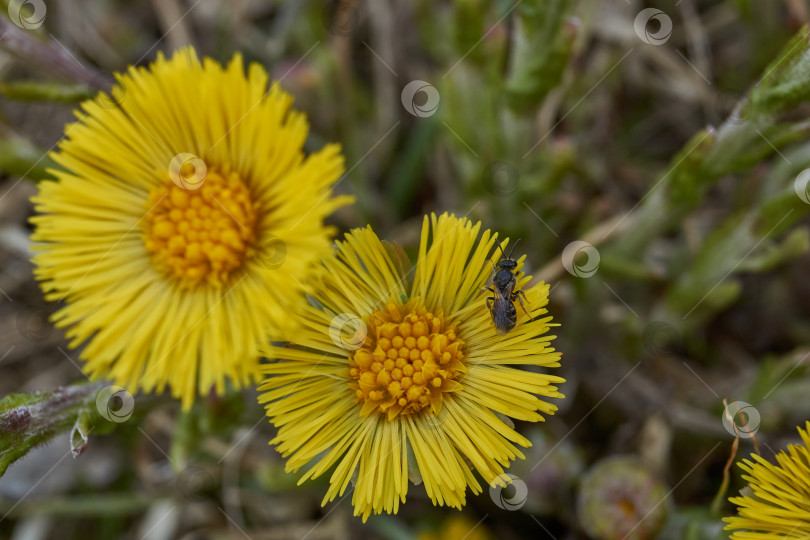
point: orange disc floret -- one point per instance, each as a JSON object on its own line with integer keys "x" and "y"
{"x": 200, "y": 235}
{"x": 409, "y": 359}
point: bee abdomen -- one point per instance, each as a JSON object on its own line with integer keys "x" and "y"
{"x": 505, "y": 318}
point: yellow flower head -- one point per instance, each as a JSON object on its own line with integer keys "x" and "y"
{"x": 183, "y": 223}
{"x": 390, "y": 381}
{"x": 779, "y": 506}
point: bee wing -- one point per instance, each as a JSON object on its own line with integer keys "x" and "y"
{"x": 503, "y": 314}
{"x": 506, "y": 292}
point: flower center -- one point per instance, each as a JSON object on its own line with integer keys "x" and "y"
{"x": 200, "y": 232}
{"x": 409, "y": 358}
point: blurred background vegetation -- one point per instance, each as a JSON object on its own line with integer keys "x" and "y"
{"x": 675, "y": 152}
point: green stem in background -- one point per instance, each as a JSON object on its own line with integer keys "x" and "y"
{"x": 716, "y": 508}
{"x": 39, "y": 91}
{"x": 185, "y": 439}
{"x": 406, "y": 178}
{"x": 719, "y": 499}
{"x": 391, "y": 528}
{"x": 74, "y": 506}
{"x": 29, "y": 420}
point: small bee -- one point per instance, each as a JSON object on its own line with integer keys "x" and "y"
{"x": 502, "y": 305}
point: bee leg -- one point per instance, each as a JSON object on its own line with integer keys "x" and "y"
{"x": 490, "y": 302}
{"x": 520, "y": 296}
{"x": 485, "y": 288}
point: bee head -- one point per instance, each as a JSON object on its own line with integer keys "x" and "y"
{"x": 506, "y": 262}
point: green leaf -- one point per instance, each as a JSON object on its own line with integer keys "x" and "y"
{"x": 786, "y": 82}
{"x": 774, "y": 372}
{"x": 794, "y": 246}
{"x": 751, "y": 135}
{"x": 544, "y": 41}
{"x": 469, "y": 26}
{"x": 20, "y": 157}
{"x": 693, "y": 523}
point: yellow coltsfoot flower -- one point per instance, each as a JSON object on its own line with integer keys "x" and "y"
{"x": 779, "y": 504}
{"x": 183, "y": 224}
{"x": 390, "y": 381}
